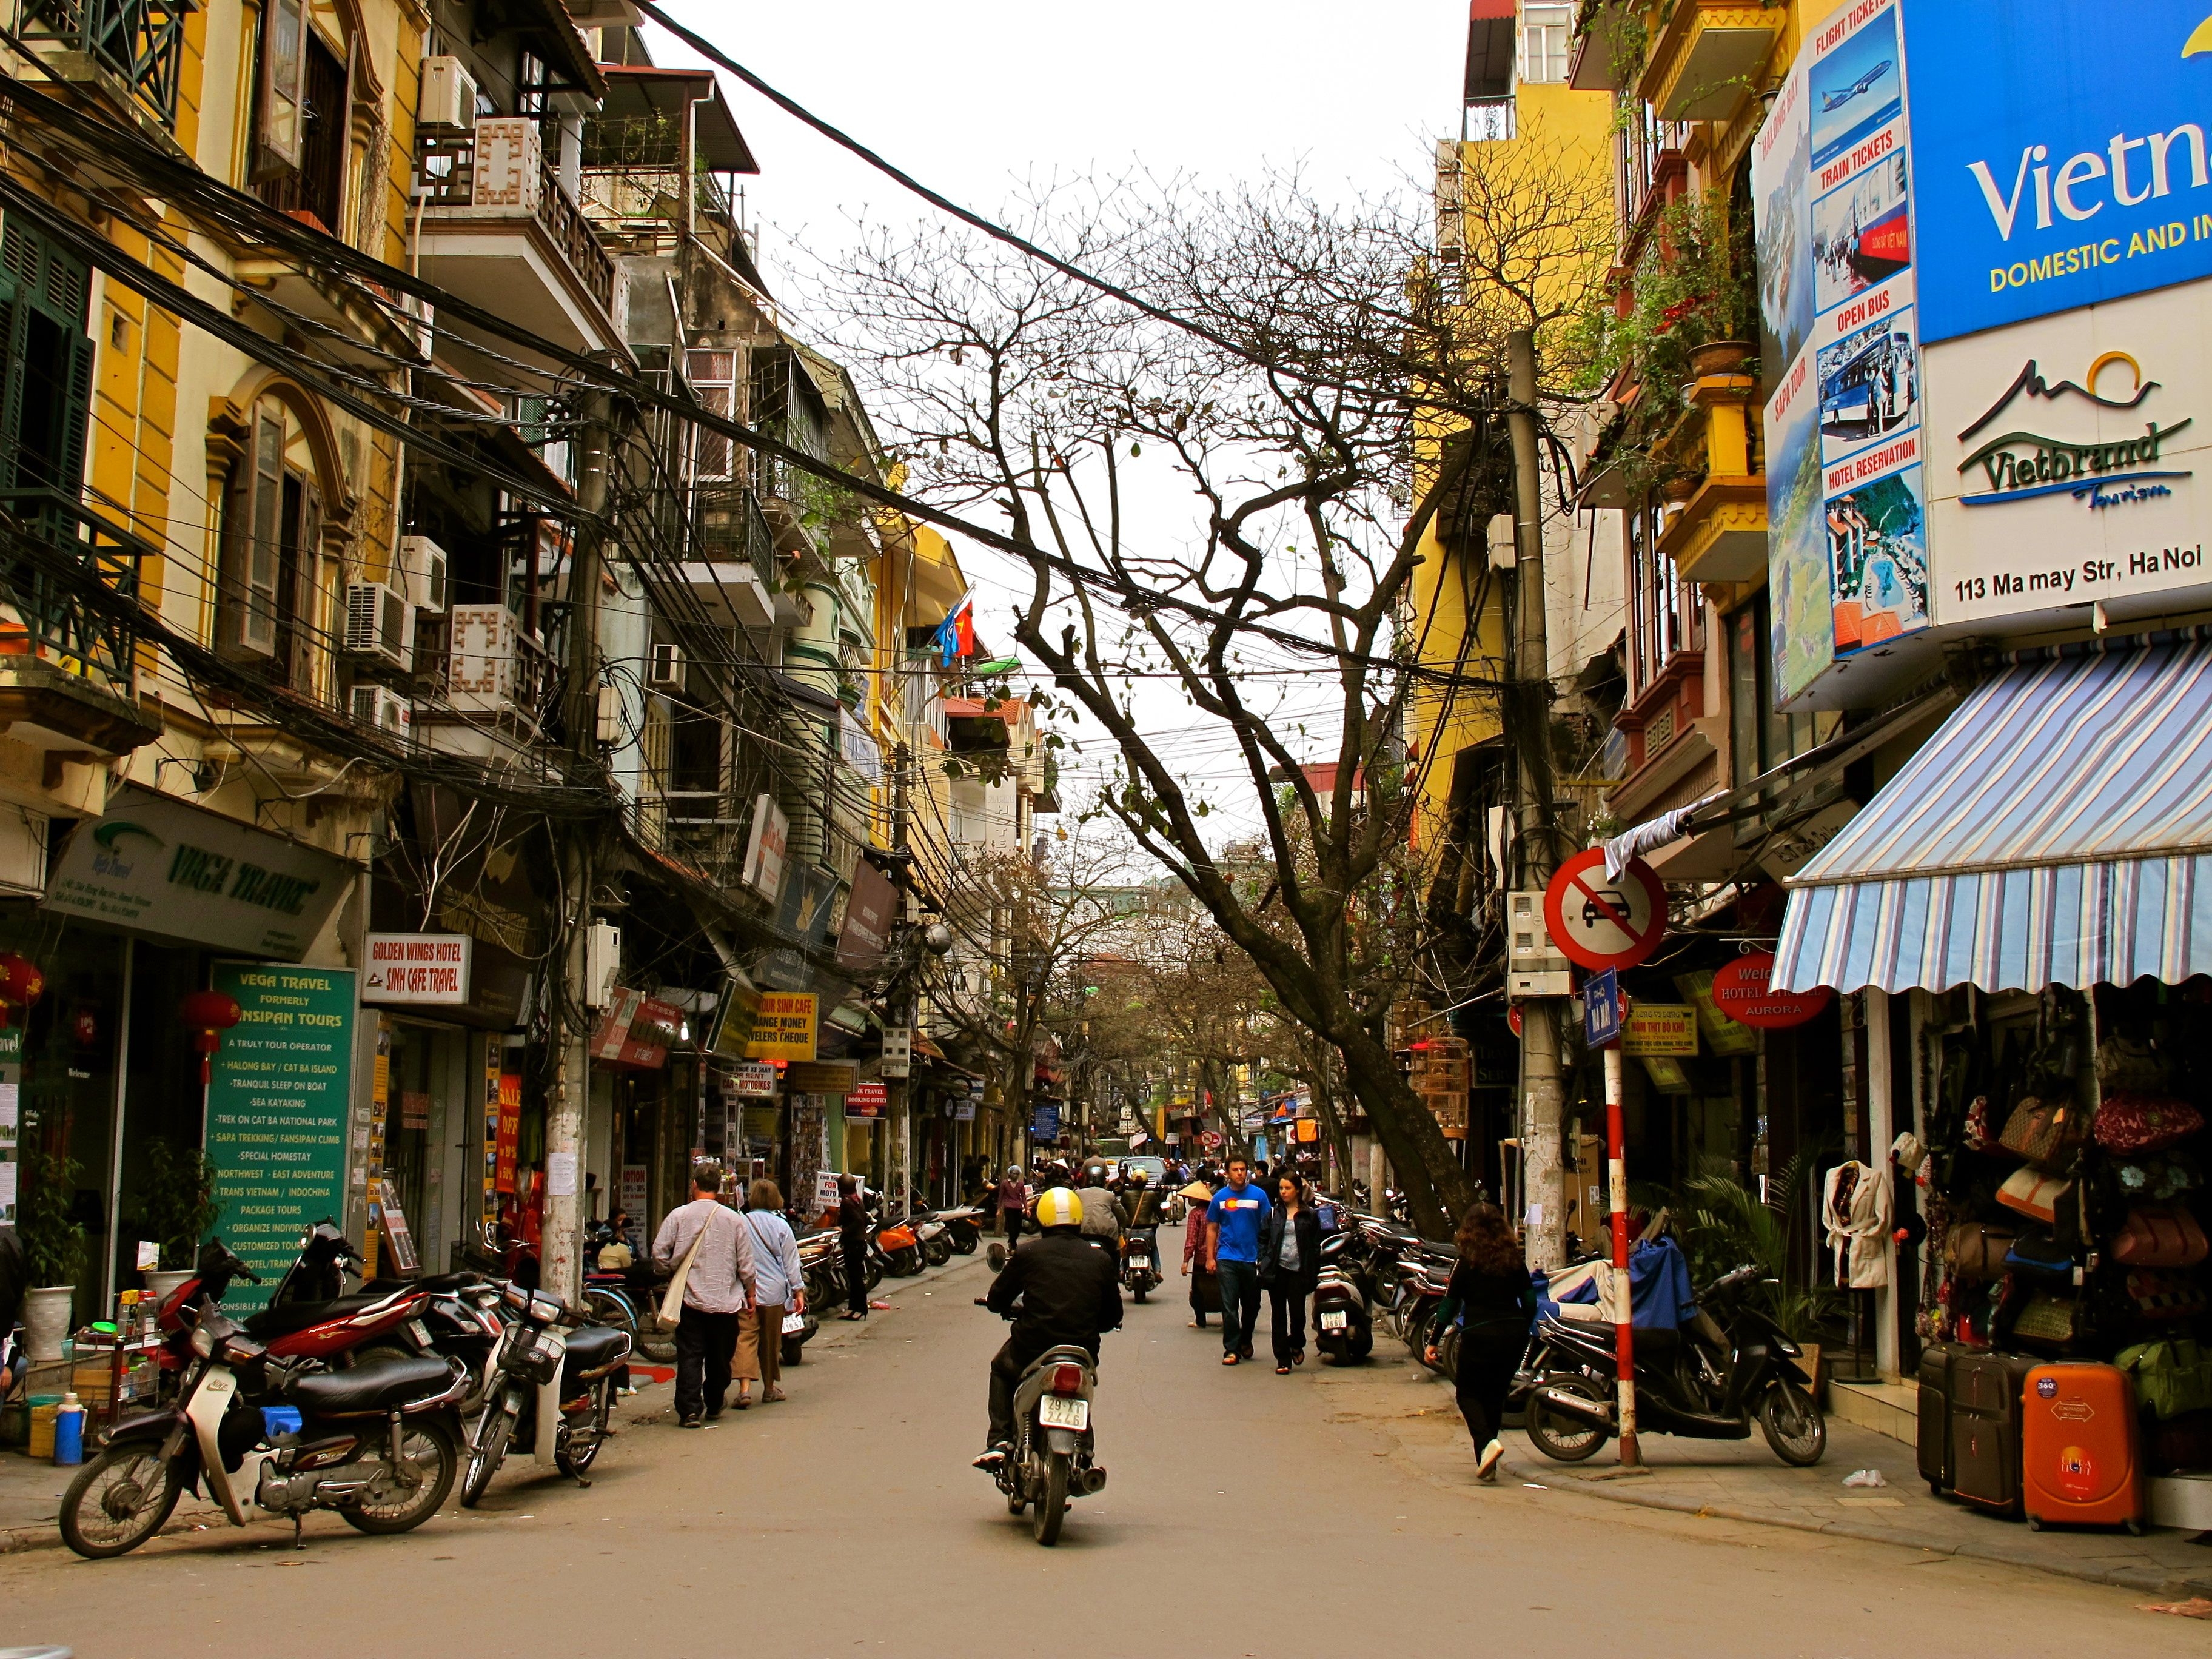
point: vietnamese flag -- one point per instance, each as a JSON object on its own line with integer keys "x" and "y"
{"x": 955, "y": 635}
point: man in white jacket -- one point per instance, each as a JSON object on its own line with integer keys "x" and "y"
{"x": 717, "y": 1289}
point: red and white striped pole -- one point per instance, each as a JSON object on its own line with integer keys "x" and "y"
{"x": 1623, "y": 1330}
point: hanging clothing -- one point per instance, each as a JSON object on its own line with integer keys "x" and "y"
{"x": 1854, "y": 1209}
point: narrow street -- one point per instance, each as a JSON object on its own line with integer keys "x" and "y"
{"x": 1248, "y": 1514}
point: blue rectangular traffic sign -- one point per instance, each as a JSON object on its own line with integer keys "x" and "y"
{"x": 1601, "y": 1009}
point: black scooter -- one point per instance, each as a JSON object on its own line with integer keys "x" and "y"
{"x": 1687, "y": 1383}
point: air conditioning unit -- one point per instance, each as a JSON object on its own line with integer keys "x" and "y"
{"x": 664, "y": 668}
{"x": 425, "y": 562}
{"x": 381, "y": 710}
{"x": 379, "y": 624}
{"x": 449, "y": 94}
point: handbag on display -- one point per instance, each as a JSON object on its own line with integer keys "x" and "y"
{"x": 1977, "y": 1249}
{"x": 2130, "y": 1065}
{"x": 2172, "y": 1377}
{"x": 2044, "y": 1131}
{"x": 2034, "y": 1193}
{"x": 2159, "y": 1236}
{"x": 2159, "y": 1176}
{"x": 2128, "y": 1122}
{"x": 2039, "y": 1255}
{"x": 2047, "y": 1321}
{"x": 2158, "y": 1293}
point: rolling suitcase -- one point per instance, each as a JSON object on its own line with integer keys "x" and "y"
{"x": 1985, "y": 1417}
{"x": 2081, "y": 1459}
{"x": 1936, "y": 1361}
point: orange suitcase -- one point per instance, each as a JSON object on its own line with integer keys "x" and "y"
{"x": 2080, "y": 1457}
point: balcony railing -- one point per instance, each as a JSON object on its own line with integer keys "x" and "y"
{"x": 500, "y": 164}
{"x": 733, "y": 530}
{"x": 138, "y": 43}
{"x": 58, "y": 623}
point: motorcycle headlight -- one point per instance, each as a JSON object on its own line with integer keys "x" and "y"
{"x": 543, "y": 1311}
{"x": 203, "y": 1342}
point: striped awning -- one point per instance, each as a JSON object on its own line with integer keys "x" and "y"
{"x": 2056, "y": 831}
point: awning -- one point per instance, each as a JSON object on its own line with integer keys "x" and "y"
{"x": 2056, "y": 831}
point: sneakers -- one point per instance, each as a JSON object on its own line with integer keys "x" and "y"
{"x": 688, "y": 1423}
{"x": 1485, "y": 1467}
{"x": 993, "y": 1459}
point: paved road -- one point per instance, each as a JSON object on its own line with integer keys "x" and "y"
{"x": 1248, "y": 1514}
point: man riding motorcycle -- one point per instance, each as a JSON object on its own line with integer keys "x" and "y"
{"x": 1141, "y": 1202}
{"x": 1102, "y": 1215}
{"x": 1070, "y": 1292}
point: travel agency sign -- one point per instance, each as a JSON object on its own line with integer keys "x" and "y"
{"x": 1993, "y": 351}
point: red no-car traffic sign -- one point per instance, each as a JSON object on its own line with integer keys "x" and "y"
{"x": 1598, "y": 923}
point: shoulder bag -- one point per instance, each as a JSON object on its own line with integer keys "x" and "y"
{"x": 2044, "y": 1131}
{"x": 1976, "y": 1251}
{"x": 2159, "y": 1236}
{"x": 2033, "y": 1194}
{"x": 671, "y": 1301}
{"x": 2128, "y": 1122}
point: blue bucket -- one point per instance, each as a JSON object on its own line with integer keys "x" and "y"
{"x": 280, "y": 1419}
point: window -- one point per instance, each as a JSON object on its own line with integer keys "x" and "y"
{"x": 1547, "y": 33}
{"x": 713, "y": 376}
{"x": 314, "y": 186}
{"x": 46, "y": 397}
{"x": 268, "y": 577}
{"x": 281, "y": 92}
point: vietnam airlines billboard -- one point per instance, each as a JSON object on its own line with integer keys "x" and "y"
{"x": 1986, "y": 355}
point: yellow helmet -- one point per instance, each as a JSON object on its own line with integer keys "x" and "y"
{"x": 1060, "y": 1207}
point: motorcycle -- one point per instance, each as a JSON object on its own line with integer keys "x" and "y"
{"x": 932, "y": 1235}
{"x": 963, "y": 1228}
{"x": 376, "y": 1441}
{"x": 898, "y": 1247}
{"x": 544, "y": 1341}
{"x": 1709, "y": 1381}
{"x": 1344, "y": 1330}
{"x": 1054, "y": 1447}
{"x": 1140, "y": 1261}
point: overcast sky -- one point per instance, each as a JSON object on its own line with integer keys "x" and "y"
{"x": 974, "y": 97}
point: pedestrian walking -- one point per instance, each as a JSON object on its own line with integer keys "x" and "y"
{"x": 1204, "y": 1287}
{"x": 1234, "y": 1221}
{"x": 779, "y": 1288}
{"x": 853, "y": 1243}
{"x": 1289, "y": 1262}
{"x": 705, "y": 1242}
{"x": 1490, "y": 1293}
{"x": 1013, "y": 1204}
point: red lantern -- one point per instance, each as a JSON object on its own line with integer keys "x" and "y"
{"x": 20, "y": 983}
{"x": 210, "y": 1013}
{"x": 1739, "y": 991}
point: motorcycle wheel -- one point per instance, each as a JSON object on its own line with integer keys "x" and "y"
{"x": 1792, "y": 1424}
{"x": 1561, "y": 1439}
{"x": 906, "y": 1261}
{"x": 1052, "y": 1503}
{"x": 964, "y": 1243}
{"x": 1448, "y": 1356}
{"x": 118, "y": 1501}
{"x": 794, "y": 1350}
{"x": 658, "y": 1346}
{"x": 428, "y": 1446}
{"x": 937, "y": 1252}
{"x": 487, "y": 1447}
{"x": 875, "y": 1273}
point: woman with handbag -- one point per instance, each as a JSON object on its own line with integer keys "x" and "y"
{"x": 710, "y": 1252}
{"x": 779, "y": 1288}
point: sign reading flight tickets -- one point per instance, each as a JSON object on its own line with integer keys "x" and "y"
{"x": 1846, "y": 502}
{"x": 1988, "y": 353}
{"x": 276, "y": 1110}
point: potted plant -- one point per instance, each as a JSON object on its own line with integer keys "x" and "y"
{"x": 1725, "y": 1226}
{"x": 179, "y": 1208}
{"x": 54, "y": 1241}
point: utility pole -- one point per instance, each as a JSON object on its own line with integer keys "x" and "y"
{"x": 1528, "y": 724}
{"x": 561, "y": 1270}
{"x": 900, "y": 1090}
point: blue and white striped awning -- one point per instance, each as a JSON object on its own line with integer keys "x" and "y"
{"x": 2056, "y": 831}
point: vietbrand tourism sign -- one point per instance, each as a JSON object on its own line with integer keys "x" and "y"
{"x": 276, "y": 1111}
{"x": 159, "y": 866}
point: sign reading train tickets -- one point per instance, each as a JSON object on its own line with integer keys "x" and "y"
{"x": 784, "y": 1027}
{"x": 161, "y": 866}
{"x": 277, "y": 1110}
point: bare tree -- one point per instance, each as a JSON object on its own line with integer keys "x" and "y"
{"x": 1313, "y": 363}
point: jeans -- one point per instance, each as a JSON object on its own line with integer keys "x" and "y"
{"x": 1240, "y": 1304}
{"x": 1286, "y": 1317}
{"x": 1487, "y": 1360}
{"x": 704, "y": 1343}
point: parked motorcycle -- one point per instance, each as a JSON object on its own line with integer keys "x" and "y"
{"x": 545, "y": 1340}
{"x": 932, "y": 1235}
{"x": 1140, "y": 1261}
{"x": 1709, "y": 1381}
{"x": 963, "y": 1227}
{"x": 898, "y": 1247}
{"x": 1344, "y": 1330}
{"x": 376, "y": 1441}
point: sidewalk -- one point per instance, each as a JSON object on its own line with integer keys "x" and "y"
{"x": 31, "y": 1492}
{"x": 1741, "y": 1480}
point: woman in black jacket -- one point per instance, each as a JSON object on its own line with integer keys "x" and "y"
{"x": 1290, "y": 1261}
{"x": 1491, "y": 1287}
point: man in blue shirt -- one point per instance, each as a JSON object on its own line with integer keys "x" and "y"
{"x": 1233, "y": 1222}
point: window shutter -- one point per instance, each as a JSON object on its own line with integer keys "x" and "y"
{"x": 245, "y": 601}
{"x": 13, "y": 316}
{"x": 283, "y": 88}
{"x": 74, "y": 414}
{"x": 307, "y": 595}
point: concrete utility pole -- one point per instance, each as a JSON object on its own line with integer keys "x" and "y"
{"x": 562, "y": 1268}
{"x": 1529, "y": 728}
{"x": 900, "y": 1090}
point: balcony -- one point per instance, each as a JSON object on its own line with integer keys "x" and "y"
{"x": 734, "y": 579}
{"x": 133, "y": 51}
{"x": 1708, "y": 58}
{"x": 499, "y": 230}
{"x": 495, "y": 689}
{"x": 1720, "y": 533}
{"x": 69, "y": 652}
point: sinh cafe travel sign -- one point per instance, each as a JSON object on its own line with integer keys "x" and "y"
{"x": 1987, "y": 358}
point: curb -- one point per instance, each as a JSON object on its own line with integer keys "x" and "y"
{"x": 2145, "y": 1580}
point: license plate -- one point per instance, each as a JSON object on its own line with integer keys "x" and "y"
{"x": 420, "y": 1332}
{"x": 1332, "y": 1322}
{"x": 1140, "y": 1261}
{"x": 1056, "y": 1412}
{"x": 793, "y": 1324}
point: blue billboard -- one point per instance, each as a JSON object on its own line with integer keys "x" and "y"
{"x": 2068, "y": 159}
